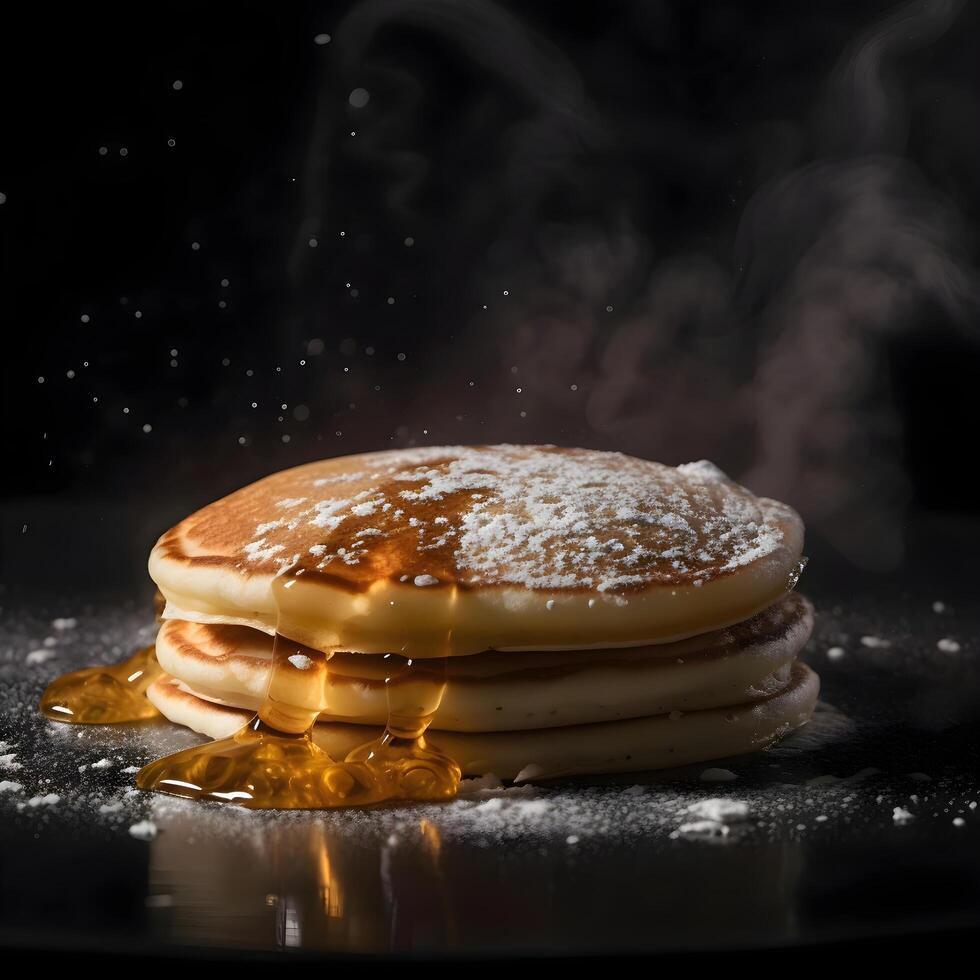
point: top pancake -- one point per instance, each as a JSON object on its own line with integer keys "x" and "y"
{"x": 454, "y": 550}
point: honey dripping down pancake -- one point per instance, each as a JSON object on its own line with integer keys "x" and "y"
{"x": 444, "y": 552}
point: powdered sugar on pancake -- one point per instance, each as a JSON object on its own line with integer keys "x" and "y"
{"x": 533, "y": 516}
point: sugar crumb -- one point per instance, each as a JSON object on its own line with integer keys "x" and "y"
{"x": 40, "y": 655}
{"x": 48, "y": 799}
{"x": 719, "y": 810}
{"x": 874, "y": 642}
{"x": 144, "y": 830}
{"x": 706, "y": 829}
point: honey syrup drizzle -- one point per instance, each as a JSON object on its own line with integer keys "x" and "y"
{"x": 104, "y": 695}
{"x": 274, "y": 762}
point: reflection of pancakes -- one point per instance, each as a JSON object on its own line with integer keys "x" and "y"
{"x": 515, "y": 547}
{"x": 588, "y": 612}
{"x": 634, "y": 744}
{"x": 496, "y": 691}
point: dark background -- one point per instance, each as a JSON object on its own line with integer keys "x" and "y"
{"x": 727, "y": 230}
{"x": 745, "y": 231}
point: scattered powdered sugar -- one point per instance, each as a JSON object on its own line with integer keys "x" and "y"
{"x": 8, "y": 762}
{"x": 47, "y": 799}
{"x": 102, "y": 764}
{"x": 702, "y": 828}
{"x": 487, "y": 783}
{"x": 40, "y": 656}
{"x": 539, "y": 517}
{"x": 258, "y": 551}
{"x": 144, "y": 830}
{"x": 268, "y": 526}
{"x": 703, "y": 470}
{"x": 9, "y": 786}
{"x": 519, "y": 807}
{"x": 720, "y": 809}
{"x": 64, "y": 623}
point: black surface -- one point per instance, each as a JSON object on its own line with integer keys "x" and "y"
{"x": 898, "y": 729}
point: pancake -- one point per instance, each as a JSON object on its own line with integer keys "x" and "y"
{"x": 506, "y": 691}
{"x": 606, "y": 747}
{"x": 449, "y": 551}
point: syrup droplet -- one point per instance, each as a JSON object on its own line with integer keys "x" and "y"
{"x": 104, "y": 695}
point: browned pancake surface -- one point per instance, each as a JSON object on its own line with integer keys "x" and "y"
{"x": 534, "y": 517}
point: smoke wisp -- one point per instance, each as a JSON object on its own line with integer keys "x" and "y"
{"x": 750, "y": 326}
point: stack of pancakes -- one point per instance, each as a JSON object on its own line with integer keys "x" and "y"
{"x": 589, "y": 612}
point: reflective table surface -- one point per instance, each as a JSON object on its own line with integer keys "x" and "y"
{"x": 863, "y": 825}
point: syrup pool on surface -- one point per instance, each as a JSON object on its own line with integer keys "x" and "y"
{"x": 273, "y": 762}
{"x": 104, "y": 695}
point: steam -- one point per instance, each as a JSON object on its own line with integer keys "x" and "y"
{"x": 833, "y": 256}
{"x": 770, "y": 360}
